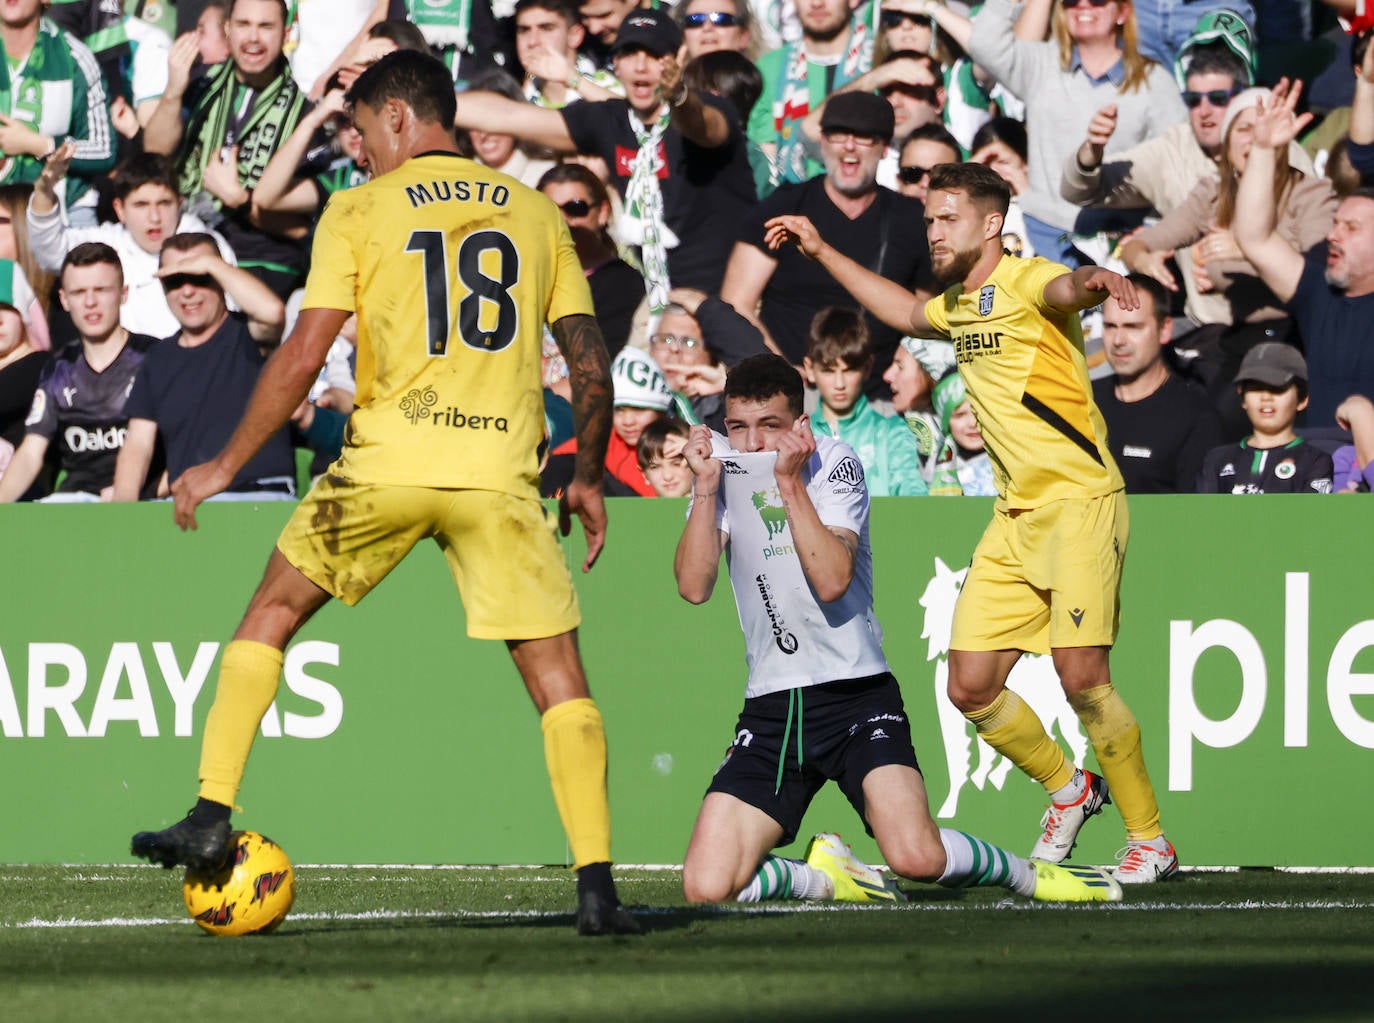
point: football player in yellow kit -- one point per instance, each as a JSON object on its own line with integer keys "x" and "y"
{"x": 1046, "y": 576}
{"x": 452, "y": 270}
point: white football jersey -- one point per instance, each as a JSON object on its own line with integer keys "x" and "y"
{"x": 792, "y": 639}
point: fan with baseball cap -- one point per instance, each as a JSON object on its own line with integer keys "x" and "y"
{"x": 1273, "y": 364}
{"x": 1274, "y": 459}
{"x": 653, "y": 31}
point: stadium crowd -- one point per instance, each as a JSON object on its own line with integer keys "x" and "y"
{"x": 164, "y": 165}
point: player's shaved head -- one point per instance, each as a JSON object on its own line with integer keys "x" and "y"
{"x": 418, "y": 80}
{"x": 983, "y": 185}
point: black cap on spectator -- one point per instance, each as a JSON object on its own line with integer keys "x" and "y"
{"x": 653, "y": 30}
{"x": 861, "y": 113}
{"x": 1273, "y": 364}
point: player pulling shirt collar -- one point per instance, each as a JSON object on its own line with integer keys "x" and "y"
{"x": 791, "y": 638}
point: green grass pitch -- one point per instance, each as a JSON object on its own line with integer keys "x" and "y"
{"x": 113, "y": 943}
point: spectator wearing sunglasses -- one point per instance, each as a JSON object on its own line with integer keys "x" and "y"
{"x": 711, "y": 25}
{"x": 192, "y": 389}
{"x": 617, "y": 288}
{"x": 1160, "y": 173}
{"x": 1091, "y": 61}
{"x": 924, "y": 149}
{"x": 1304, "y": 207}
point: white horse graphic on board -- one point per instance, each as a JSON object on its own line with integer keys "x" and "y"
{"x": 1034, "y": 680}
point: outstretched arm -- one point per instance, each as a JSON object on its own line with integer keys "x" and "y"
{"x": 1088, "y": 286}
{"x": 889, "y": 301}
{"x": 487, "y": 111}
{"x": 589, "y": 371}
{"x": 698, "y": 121}
{"x": 1279, "y": 264}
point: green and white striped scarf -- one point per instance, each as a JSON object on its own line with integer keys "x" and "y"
{"x": 40, "y": 93}
{"x": 275, "y": 113}
{"x": 644, "y": 224}
{"x": 443, "y": 22}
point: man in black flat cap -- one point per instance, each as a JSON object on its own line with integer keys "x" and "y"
{"x": 884, "y": 231}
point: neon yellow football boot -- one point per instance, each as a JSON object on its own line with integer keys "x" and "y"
{"x": 1060, "y": 882}
{"x": 852, "y": 880}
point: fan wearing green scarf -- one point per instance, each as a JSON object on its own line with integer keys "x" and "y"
{"x": 235, "y": 117}
{"x": 50, "y": 91}
{"x": 836, "y": 47}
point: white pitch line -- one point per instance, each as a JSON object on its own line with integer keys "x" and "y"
{"x": 805, "y": 907}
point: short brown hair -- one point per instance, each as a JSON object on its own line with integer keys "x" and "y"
{"x": 650, "y": 447}
{"x": 92, "y": 254}
{"x": 839, "y": 335}
{"x": 983, "y": 185}
{"x": 186, "y": 241}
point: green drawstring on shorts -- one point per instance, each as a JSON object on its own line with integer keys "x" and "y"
{"x": 794, "y": 703}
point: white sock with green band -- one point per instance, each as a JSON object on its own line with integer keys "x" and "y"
{"x": 972, "y": 863}
{"x": 780, "y": 878}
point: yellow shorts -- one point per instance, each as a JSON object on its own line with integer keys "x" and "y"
{"x": 502, "y": 549}
{"x": 1044, "y": 578}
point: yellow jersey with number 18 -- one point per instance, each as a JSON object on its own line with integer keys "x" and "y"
{"x": 453, "y": 269}
{"x": 1022, "y": 363}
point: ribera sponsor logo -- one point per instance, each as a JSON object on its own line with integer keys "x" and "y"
{"x": 45, "y": 690}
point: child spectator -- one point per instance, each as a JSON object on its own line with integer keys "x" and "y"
{"x": 964, "y": 467}
{"x": 916, "y": 366}
{"x": 1273, "y": 460}
{"x": 838, "y": 359}
{"x": 661, "y": 458}
{"x": 1355, "y": 462}
{"x": 642, "y": 396}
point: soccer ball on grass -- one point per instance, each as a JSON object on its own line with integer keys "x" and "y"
{"x": 251, "y": 895}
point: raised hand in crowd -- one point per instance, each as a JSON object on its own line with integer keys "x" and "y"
{"x": 124, "y": 118}
{"x": 221, "y": 178}
{"x": 1278, "y": 123}
{"x": 1100, "y": 131}
{"x": 181, "y": 58}
{"x": 54, "y": 171}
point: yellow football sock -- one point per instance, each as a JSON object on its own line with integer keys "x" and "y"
{"x": 1012, "y": 729}
{"x": 248, "y": 677}
{"x": 1115, "y": 736}
{"x": 575, "y": 750}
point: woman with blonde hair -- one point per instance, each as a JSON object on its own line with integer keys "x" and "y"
{"x": 23, "y": 284}
{"x": 1306, "y": 207}
{"x": 1090, "y": 63}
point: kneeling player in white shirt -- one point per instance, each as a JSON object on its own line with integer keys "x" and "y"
{"x": 790, "y": 512}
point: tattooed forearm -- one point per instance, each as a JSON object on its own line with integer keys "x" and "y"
{"x": 589, "y": 371}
